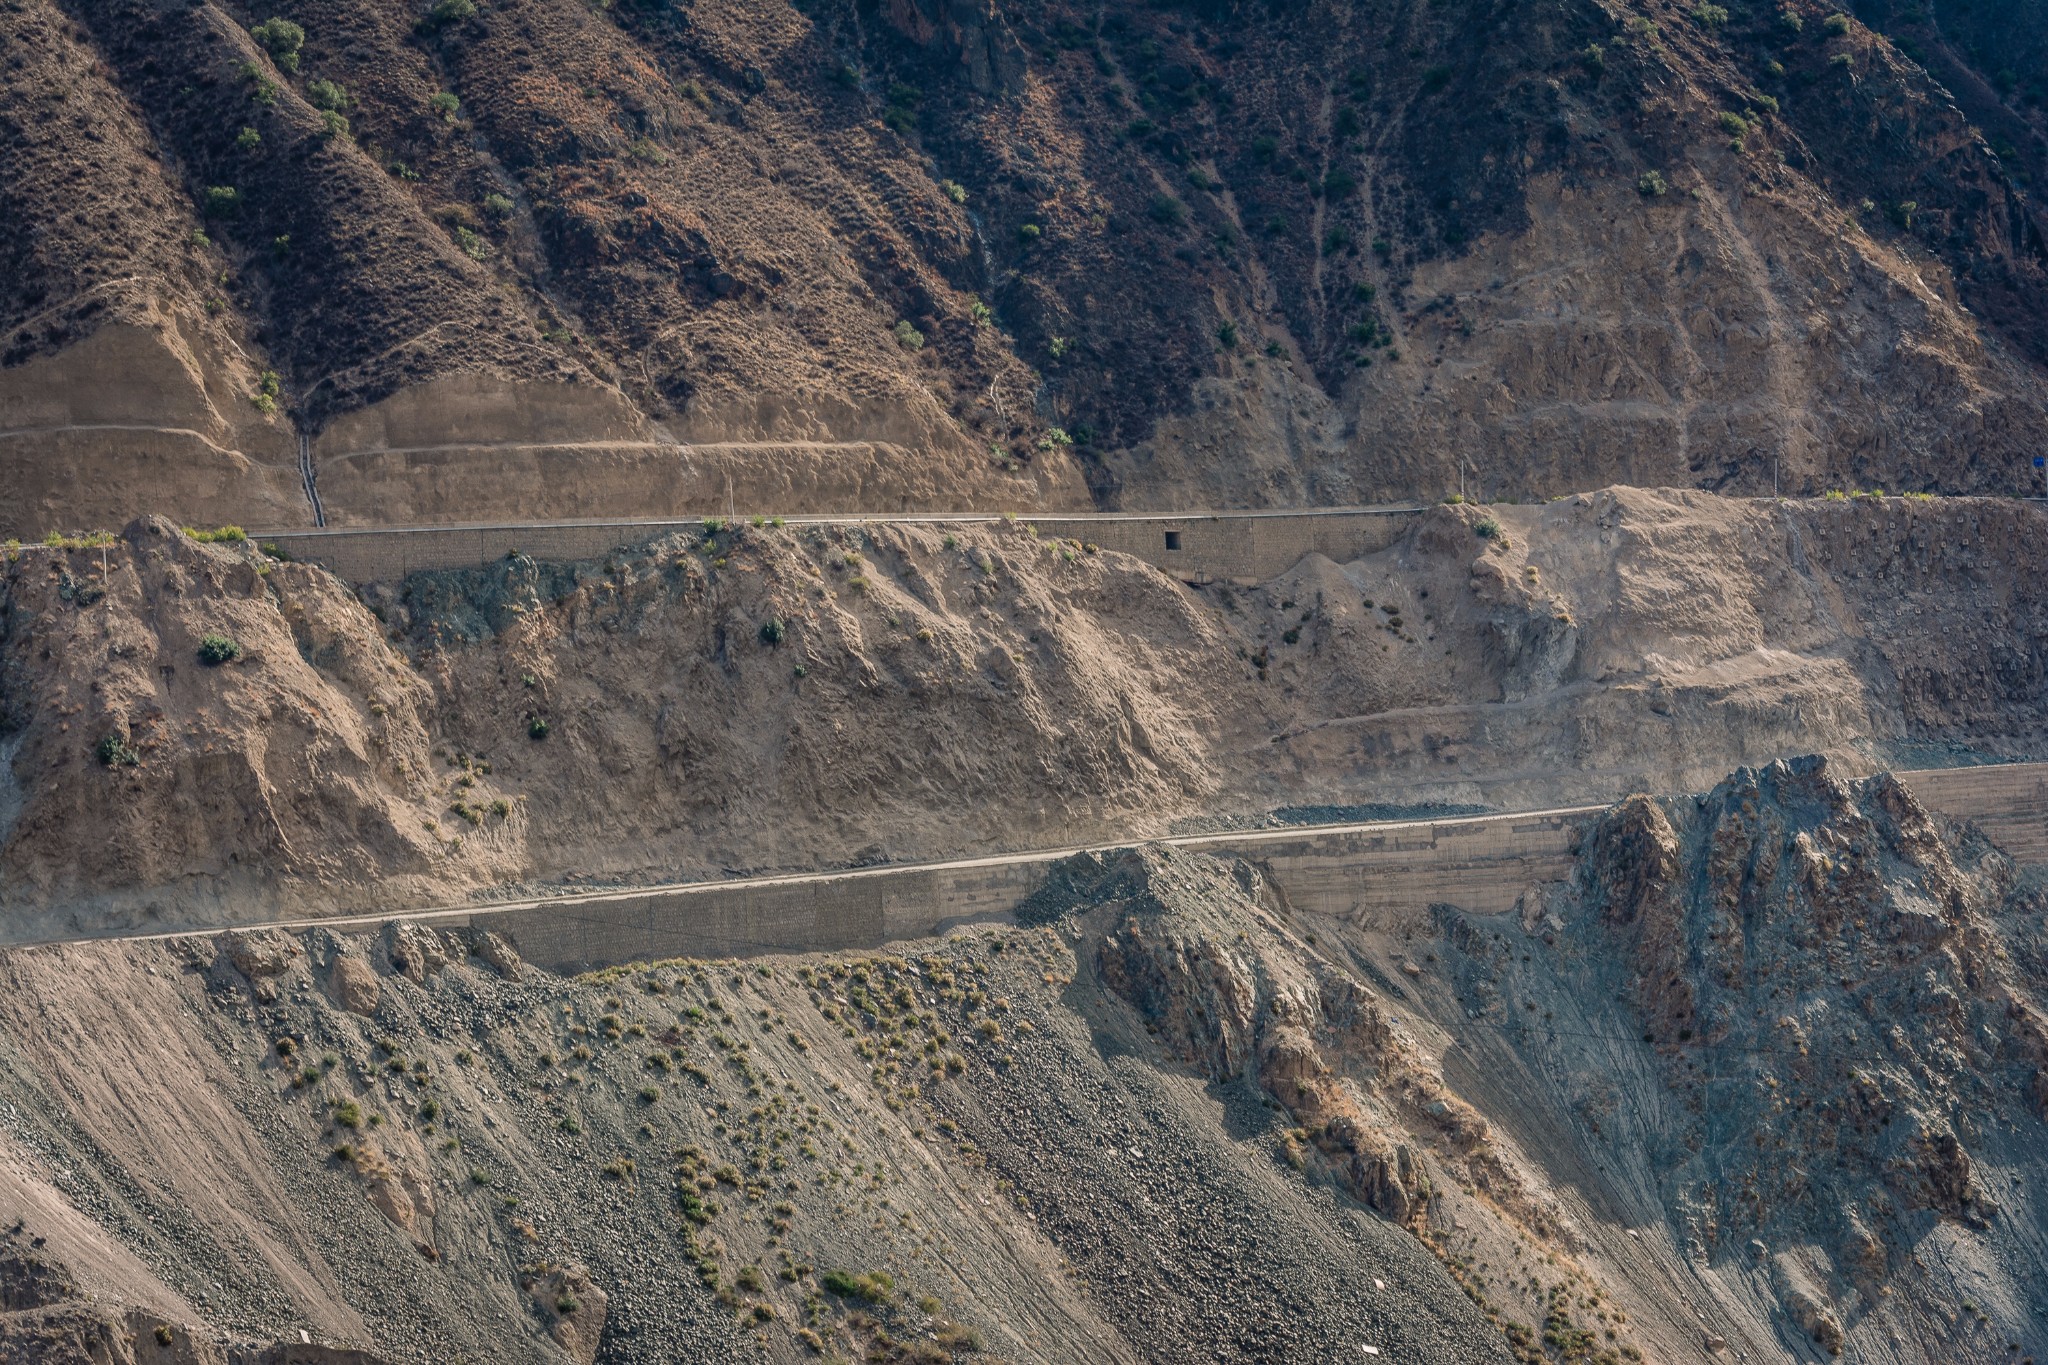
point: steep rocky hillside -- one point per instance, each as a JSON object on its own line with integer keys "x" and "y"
{"x": 198, "y": 734}
{"x": 535, "y": 257}
{"x": 1762, "y": 1080}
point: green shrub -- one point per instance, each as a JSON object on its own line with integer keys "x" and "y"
{"x": 954, "y": 191}
{"x": 326, "y": 95}
{"x": 282, "y": 39}
{"x": 472, "y": 245}
{"x": 1650, "y": 185}
{"x": 498, "y": 206}
{"x": 537, "y": 728}
{"x": 873, "y": 1287}
{"x": 1486, "y": 528}
{"x": 1791, "y": 19}
{"x": 248, "y": 138}
{"x": 773, "y": 631}
{"x": 907, "y": 336}
{"x": 901, "y": 115}
{"x": 1709, "y": 16}
{"x": 1733, "y": 124}
{"x": 221, "y": 201}
{"x": 447, "y": 13}
{"x": 1168, "y": 210}
{"x": 113, "y": 752}
{"x": 347, "y": 1113}
{"x": 981, "y": 313}
{"x": 1030, "y": 233}
{"x": 1837, "y": 25}
{"x": 445, "y": 104}
{"x": 1226, "y": 335}
{"x": 1594, "y": 58}
{"x": 262, "y": 89}
{"x": 215, "y": 650}
{"x": 219, "y": 535}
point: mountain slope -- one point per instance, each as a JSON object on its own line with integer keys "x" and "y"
{"x": 1236, "y": 254}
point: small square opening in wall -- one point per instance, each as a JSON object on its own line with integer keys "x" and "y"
{"x": 1173, "y": 540}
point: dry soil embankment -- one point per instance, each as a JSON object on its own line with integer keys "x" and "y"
{"x": 789, "y": 698}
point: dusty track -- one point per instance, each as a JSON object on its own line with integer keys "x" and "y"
{"x": 568, "y": 902}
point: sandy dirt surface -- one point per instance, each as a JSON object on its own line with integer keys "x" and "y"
{"x": 789, "y": 698}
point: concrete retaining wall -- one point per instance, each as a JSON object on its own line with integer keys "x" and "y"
{"x": 1372, "y": 873}
{"x": 1381, "y": 875}
{"x": 2008, "y": 801}
{"x": 1247, "y": 546}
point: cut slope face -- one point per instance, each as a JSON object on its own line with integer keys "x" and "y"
{"x": 762, "y": 698}
{"x": 1235, "y": 254}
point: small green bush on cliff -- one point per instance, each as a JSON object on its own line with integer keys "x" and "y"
{"x": 282, "y": 39}
{"x": 215, "y": 650}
